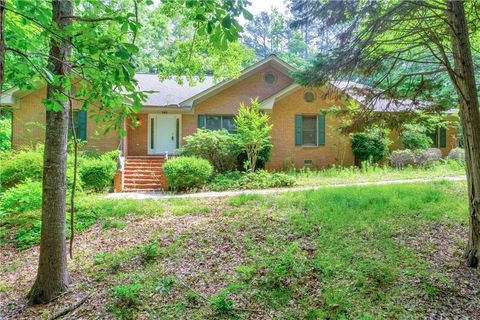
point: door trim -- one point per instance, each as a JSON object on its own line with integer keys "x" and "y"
{"x": 150, "y": 143}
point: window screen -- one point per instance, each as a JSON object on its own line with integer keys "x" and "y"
{"x": 309, "y": 130}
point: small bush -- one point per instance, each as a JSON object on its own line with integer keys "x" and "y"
{"x": 402, "y": 158}
{"x": 221, "y": 303}
{"x": 369, "y": 146}
{"x": 184, "y": 173}
{"x": 457, "y": 154}
{"x": 427, "y": 157}
{"x": 26, "y": 196}
{"x": 219, "y": 147}
{"x": 415, "y": 137}
{"x": 260, "y": 179}
{"x": 20, "y": 167}
{"x": 149, "y": 252}
{"x": 97, "y": 173}
{"x": 126, "y": 296}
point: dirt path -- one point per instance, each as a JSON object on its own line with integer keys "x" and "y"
{"x": 137, "y": 195}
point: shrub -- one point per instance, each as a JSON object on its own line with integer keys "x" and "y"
{"x": 185, "y": 173}
{"x": 402, "y": 158}
{"x": 221, "y": 303}
{"x": 5, "y": 131}
{"x": 219, "y": 147}
{"x": 259, "y": 179}
{"x": 20, "y": 167}
{"x": 369, "y": 146}
{"x": 26, "y": 196}
{"x": 428, "y": 156}
{"x": 97, "y": 173}
{"x": 264, "y": 155}
{"x": 457, "y": 154}
{"x": 415, "y": 137}
{"x": 253, "y": 131}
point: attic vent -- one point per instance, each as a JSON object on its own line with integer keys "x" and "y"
{"x": 270, "y": 78}
{"x": 309, "y": 96}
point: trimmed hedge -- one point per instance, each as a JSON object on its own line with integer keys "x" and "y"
{"x": 185, "y": 173}
{"x": 97, "y": 173}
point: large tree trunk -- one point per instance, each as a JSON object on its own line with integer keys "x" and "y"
{"x": 2, "y": 44}
{"x": 52, "y": 275}
{"x": 464, "y": 80}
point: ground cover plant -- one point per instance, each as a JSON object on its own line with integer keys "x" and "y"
{"x": 366, "y": 253}
{"x": 371, "y": 173}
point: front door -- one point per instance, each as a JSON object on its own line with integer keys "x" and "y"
{"x": 164, "y": 133}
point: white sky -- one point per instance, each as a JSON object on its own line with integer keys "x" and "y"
{"x": 265, "y": 5}
{"x": 258, "y": 6}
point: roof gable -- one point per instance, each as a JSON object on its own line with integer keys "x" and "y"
{"x": 272, "y": 60}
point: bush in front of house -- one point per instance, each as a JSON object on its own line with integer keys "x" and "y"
{"x": 428, "y": 156}
{"x": 371, "y": 145}
{"x": 219, "y": 147}
{"x": 457, "y": 154}
{"x": 20, "y": 166}
{"x": 97, "y": 173}
{"x": 260, "y": 179}
{"x": 415, "y": 137}
{"x": 25, "y": 196}
{"x": 253, "y": 131}
{"x": 187, "y": 173}
{"x": 402, "y": 158}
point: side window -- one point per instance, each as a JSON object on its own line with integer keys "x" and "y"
{"x": 310, "y": 130}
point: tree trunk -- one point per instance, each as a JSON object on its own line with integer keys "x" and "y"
{"x": 52, "y": 275}
{"x": 2, "y": 44}
{"x": 464, "y": 79}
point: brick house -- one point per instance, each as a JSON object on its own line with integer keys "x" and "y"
{"x": 302, "y": 135}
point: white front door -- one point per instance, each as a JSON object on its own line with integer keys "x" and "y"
{"x": 164, "y": 129}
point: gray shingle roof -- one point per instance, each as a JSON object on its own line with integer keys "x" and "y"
{"x": 169, "y": 92}
{"x": 370, "y": 97}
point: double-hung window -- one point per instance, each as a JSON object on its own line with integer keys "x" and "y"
{"x": 310, "y": 130}
{"x": 217, "y": 122}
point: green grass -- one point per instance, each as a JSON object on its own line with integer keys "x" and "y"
{"x": 325, "y": 254}
{"x": 375, "y": 173}
{"x": 23, "y": 228}
{"x": 339, "y": 253}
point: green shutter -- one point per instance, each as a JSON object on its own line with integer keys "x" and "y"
{"x": 82, "y": 125}
{"x": 298, "y": 129}
{"x": 201, "y": 121}
{"x": 321, "y": 130}
{"x": 443, "y": 137}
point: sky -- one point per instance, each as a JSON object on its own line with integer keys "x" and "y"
{"x": 258, "y": 6}
{"x": 265, "y": 5}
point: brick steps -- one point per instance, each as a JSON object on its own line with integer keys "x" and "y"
{"x": 143, "y": 174}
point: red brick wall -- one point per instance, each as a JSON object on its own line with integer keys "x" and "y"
{"x": 29, "y": 125}
{"x": 285, "y": 153}
{"x": 137, "y": 137}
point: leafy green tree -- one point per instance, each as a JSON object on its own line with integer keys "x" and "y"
{"x": 411, "y": 44}
{"x": 84, "y": 52}
{"x": 270, "y": 33}
{"x": 253, "y": 130}
{"x": 168, "y": 37}
{"x": 415, "y": 137}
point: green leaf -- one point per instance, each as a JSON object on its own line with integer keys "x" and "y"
{"x": 227, "y": 22}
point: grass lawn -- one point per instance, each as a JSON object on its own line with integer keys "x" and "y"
{"x": 376, "y": 173}
{"x": 376, "y": 252}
